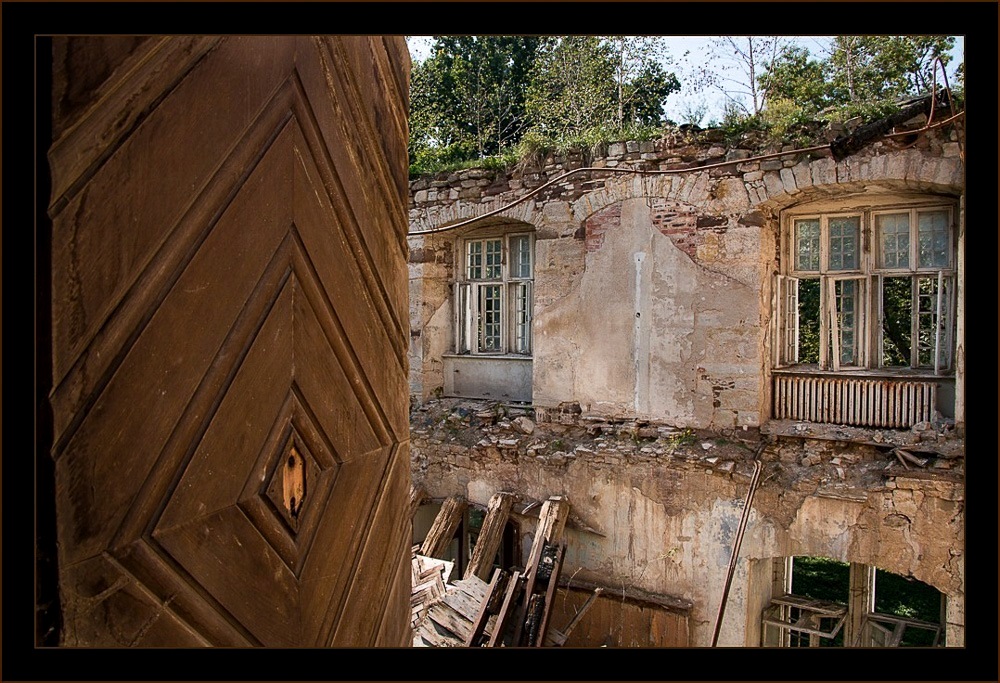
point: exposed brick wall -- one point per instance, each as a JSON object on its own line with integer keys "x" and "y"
{"x": 598, "y": 224}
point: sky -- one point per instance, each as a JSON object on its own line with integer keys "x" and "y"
{"x": 689, "y": 53}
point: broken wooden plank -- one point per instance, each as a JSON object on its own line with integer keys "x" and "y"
{"x": 430, "y": 566}
{"x": 497, "y": 583}
{"x": 907, "y": 456}
{"x": 435, "y": 636}
{"x": 445, "y": 616}
{"x": 631, "y": 594}
{"x": 550, "y": 592}
{"x": 503, "y": 616}
{"x": 417, "y": 496}
{"x": 559, "y": 637}
{"x": 472, "y": 589}
{"x": 490, "y": 536}
{"x": 462, "y": 603}
{"x": 551, "y": 525}
{"x": 443, "y": 530}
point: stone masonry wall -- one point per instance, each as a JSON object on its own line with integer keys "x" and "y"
{"x": 657, "y": 508}
{"x": 652, "y": 293}
{"x": 651, "y": 373}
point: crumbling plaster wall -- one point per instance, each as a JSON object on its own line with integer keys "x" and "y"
{"x": 431, "y": 317}
{"x": 630, "y": 335}
{"x": 664, "y": 520}
{"x": 652, "y": 301}
{"x": 652, "y": 293}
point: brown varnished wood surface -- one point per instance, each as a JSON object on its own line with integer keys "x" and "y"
{"x": 229, "y": 284}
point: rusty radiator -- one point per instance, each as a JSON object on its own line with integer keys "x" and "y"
{"x": 854, "y": 401}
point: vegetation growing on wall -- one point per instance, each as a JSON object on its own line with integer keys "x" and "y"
{"x": 490, "y": 101}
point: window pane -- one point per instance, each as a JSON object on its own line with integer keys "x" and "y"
{"x": 464, "y": 317}
{"x": 809, "y": 321}
{"x": 494, "y": 254}
{"x": 894, "y": 240}
{"x": 522, "y": 317}
{"x": 489, "y": 318}
{"x": 847, "y": 319}
{"x": 807, "y": 244}
{"x": 520, "y": 256}
{"x": 926, "y": 319}
{"x": 788, "y": 291}
{"x": 844, "y": 243}
{"x": 897, "y": 307}
{"x": 475, "y": 260}
{"x": 945, "y": 323}
{"x": 933, "y": 239}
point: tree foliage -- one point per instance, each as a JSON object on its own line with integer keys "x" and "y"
{"x": 858, "y": 76}
{"x": 468, "y": 99}
{"x": 740, "y": 69}
{"x": 795, "y": 77}
{"x": 476, "y": 97}
{"x": 883, "y": 68}
{"x": 572, "y": 87}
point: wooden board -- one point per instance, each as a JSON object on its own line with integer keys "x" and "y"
{"x": 490, "y": 536}
{"x": 229, "y": 394}
{"x": 617, "y": 622}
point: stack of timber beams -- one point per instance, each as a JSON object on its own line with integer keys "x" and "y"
{"x": 513, "y": 609}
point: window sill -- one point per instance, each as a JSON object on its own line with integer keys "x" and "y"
{"x": 902, "y": 373}
{"x": 487, "y": 356}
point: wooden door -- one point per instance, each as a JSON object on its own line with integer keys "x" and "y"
{"x": 229, "y": 319}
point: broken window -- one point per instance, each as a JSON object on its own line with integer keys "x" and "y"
{"x": 493, "y": 297}
{"x": 827, "y": 603}
{"x": 867, "y": 290}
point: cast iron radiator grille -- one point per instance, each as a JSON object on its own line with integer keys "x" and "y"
{"x": 853, "y": 401}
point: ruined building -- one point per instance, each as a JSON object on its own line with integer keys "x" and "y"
{"x": 702, "y": 361}
{"x": 749, "y": 349}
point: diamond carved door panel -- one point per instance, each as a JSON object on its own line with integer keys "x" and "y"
{"x": 228, "y": 319}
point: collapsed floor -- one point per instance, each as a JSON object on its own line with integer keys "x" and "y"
{"x": 654, "y": 509}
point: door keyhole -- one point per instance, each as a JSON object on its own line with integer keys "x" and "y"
{"x": 294, "y": 483}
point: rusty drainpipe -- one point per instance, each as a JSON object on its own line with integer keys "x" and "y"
{"x": 754, "y": 482}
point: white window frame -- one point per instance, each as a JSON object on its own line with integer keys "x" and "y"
{"x": 469, "y": 292}
{"x": 870, "y": 277}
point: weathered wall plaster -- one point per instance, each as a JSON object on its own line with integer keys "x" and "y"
{"x": 652, "y": 303}
{"x": 662, "y": 517}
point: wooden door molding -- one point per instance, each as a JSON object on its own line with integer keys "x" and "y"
{"x": 229, "y": 370}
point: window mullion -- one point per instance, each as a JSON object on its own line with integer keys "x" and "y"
{"x": 951, "y": 303}
{"x": 476, "y": 321}
{"x": 878, "y": 320}
{"x": 831, "y": 315}
{"x": 777, "y": 329}
{"x": 937, "y": 323}
{"x": 914, "y": 321}
{"x": 793, "y": 289}
{"x": 863, "y": 342}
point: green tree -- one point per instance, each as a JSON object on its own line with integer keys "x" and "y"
{"x": 583, "y": 84}
{"x": 572, "y": 87}
{"x": 882, "y": 69}
{"x": 476, "y": 96}
{"x": 642, "y": 84}
{"x": 796, "y": 77}
{"x": 468, "y": 98}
